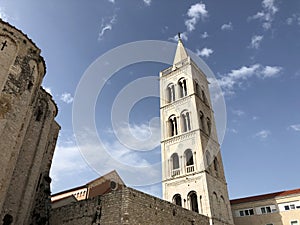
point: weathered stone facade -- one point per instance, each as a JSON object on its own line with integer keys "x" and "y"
{"x": 126, "y": 206}
{"x": 28, "y": 131}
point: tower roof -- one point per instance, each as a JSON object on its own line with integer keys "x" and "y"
{"x": 181, "y": 53}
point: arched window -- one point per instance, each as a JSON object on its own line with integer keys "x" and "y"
{"x": 208, "y": 126}
{"x": 171, "y": 93}
{"x": 201, "y": 120}
{"x": 177, "y": 200}
{"x": 175, "y": 165}
{"x": 182, "y": 87}
{"x": 185, "y": 121}
{"x": 215, "y": 204}
{"x": 189, "y": 161}
{"x": 197, "y": 88}
{"x": 203, "y": 96}
{"x": 208, "y": 159}
{"x": 192, "y": 196}
{"x": 201, "y": 206}
{"x": 8, "y": 219}
{"x": 189, "y": 157}
{"x": 216, "y": 166}
{"x": 224, "y": 207}
{"x": 172, "y": 126}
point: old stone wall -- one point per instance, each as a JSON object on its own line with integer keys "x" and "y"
{"x": 27, "y": 125}
{"x": 102, "y": 210}
{"x": 126, "y": 206}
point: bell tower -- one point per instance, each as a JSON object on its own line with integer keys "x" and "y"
{"x": 192, "y": 169}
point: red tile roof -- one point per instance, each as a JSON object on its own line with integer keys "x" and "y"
{"x": 265, "y": 196}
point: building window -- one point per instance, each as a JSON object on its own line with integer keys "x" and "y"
{"x": 266, "y": 209}
{"x": 201, "y": 120}
{"x": 175, "y": 164}
{"x": 8, "y": 219}
{"x": 171, "y": 93}
{"x": 208, "y": 158}
{"x": 182, "y": 87}
{"x": 216, "y": 166}
{"x": 246, "y": 212}
{"x": 172, "y": 126}
{"x": 192, "y": 196}
{"x": 177, "y": 200}
{"x": 197, "y": 88}
{"x": 203, "y": 97}
{"x": 189, "y": 161}
{"x": 208, "y": 126}
{"x": 289, "y": 206}
{"x": 186, "y": 123}
{"x": 294, "y": 222}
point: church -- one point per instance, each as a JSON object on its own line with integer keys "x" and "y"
{"x": 193, "y": 181}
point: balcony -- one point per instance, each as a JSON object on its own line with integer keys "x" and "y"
{"x": 190, "y": 169}
{"x": 176, "y": 172}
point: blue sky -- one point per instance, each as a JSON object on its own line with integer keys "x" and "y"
{"x": 252, "y": 47}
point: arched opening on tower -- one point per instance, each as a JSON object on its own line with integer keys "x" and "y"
{"x": 208, "y": 126}
{"x": 171, "y": 93}
{"x": 216, "y": 166}
{"x": 177, "y": 200}
{"x": 201, "y": 120}
{"x": 182, "y": 87}
{"x": 192, "y": 196}
{"x": 172, "y": 126}
{"x": 189, "y": 161}
{"x": 185, "y": 121}
{"x": 175, "y": 164}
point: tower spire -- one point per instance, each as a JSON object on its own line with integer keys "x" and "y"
{"x": 181, "y": 53}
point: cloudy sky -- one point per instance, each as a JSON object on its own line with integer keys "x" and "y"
{"x": 252, "y": 47}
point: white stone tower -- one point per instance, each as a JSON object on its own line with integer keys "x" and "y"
{"x": 192, "y": 169}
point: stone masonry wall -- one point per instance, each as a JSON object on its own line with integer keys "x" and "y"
{"x": 126, "y": 206}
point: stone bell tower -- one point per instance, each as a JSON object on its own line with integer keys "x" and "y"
{"x": 192, "y": 169}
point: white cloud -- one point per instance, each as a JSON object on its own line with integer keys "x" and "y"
{"x": 237, "y": 77}
{"x": 232, "y": 130}
{"x": 204, "y": 35}
{"x": 263, "y": 134}
{"x": 195, "y": 12}
{"x": 267, "y": 14}
{"x": 227, "y": 26}
{"x": 112, "y": 1}
{"x": 3, "y": 14}
{"x": 135, "y": 165}
{"x": 106, "y": 25}
{"x": 147, "y": 2}
{"x": 238, "y": 112}
{"x": 289, "y": 20}
{"x": 66, "y": 97}
{"x": 205, "y": 52}
{"x": 255, "y": 41}
{"x": 292, "y": 19}
{"x": 271, "y": 71}
{"x": 295, "y": 127}
{"x": 139, "y": 137}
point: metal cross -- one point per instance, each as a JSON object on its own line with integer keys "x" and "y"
{"x": 179, "y": 35}
{"x": 4, "y": 44}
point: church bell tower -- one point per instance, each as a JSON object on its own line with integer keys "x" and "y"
{"x": 192, "y": 169}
